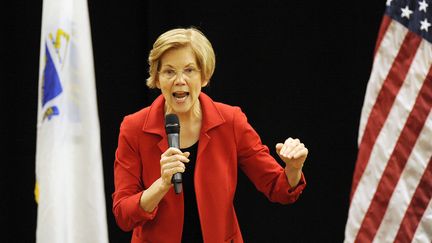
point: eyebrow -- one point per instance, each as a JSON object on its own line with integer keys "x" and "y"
{"x": 187, "y": 65}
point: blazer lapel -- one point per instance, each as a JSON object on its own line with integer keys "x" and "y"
{"x": 211, "y": 118}
{"x": 154, "y": 122}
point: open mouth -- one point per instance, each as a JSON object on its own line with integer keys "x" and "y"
{"x": 180, "y": 95}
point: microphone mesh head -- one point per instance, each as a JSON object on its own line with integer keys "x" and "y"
{"x": 172, "y": 123}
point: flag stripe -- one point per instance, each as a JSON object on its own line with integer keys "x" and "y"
{"x": 388, "y": 136}
{"x": 386, "y": 21}
{"x": 384, "y": 102}
{"x": 391, "y": 189}
{"x": 383, "y": 62}
{"x": 407, "y": 185}
{"x": 424, "y": 230}
{"x": 396, "y": 164}
{"x": 417, "y": 207}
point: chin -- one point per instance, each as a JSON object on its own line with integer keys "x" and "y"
{"x": 182, "y": 109}
{"x": 186, "y": 107}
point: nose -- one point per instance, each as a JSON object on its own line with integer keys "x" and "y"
{"x": 179, "y": 79}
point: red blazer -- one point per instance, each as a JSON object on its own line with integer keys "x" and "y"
{"x": 227, "y": 142}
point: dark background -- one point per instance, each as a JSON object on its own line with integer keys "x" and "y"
{"x": 297, "y": 68}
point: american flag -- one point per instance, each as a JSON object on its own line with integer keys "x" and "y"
{"x": 392, "y": 182}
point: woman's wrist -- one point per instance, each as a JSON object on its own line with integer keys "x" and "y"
{"x": 293, "y": 175}
{"x": 163, "y": 187}
{"x": 151, "y": 197}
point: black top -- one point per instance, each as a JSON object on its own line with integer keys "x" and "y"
{"x": 192, "y": 226}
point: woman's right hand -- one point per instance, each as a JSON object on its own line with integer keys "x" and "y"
{"x": 172, "y": 161}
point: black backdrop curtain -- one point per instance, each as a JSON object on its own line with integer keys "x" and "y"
{"x": 297, "y": 68}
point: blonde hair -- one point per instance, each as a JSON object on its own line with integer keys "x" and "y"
{"x": 177, "y": 38}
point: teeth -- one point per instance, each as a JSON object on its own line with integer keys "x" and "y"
{"x": 180, "y": 95}
{"x": 180, "y": 99}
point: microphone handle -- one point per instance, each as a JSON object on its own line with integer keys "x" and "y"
{"x": 173, "y": 141}
{"x": 177, "y": 181}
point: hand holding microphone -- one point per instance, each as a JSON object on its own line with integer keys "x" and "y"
{"x": 172, "y": 159}
{"x": 172, "y": 162}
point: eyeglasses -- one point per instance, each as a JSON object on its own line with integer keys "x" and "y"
{"x": 170, "y": 73}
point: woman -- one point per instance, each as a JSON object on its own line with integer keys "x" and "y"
{"x": 215, "y": 140}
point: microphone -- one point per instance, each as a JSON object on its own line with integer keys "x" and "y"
{"x": 172, "y": 128}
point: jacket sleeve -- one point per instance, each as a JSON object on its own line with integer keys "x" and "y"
{"x": 261, "y": 168}
{"x": 127, "y": 180}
